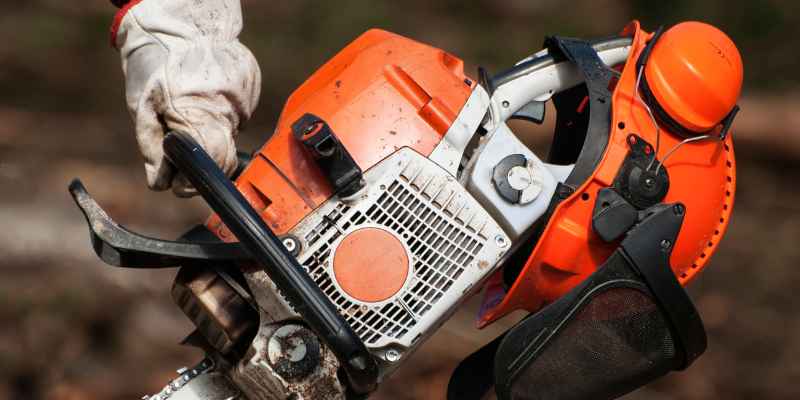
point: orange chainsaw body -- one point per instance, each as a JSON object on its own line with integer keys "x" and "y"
{"x": 380, "y": 93}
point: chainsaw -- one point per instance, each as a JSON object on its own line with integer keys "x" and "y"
{"x": 393, "y": 189}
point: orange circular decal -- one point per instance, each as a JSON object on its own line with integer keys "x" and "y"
{"x": 370, "y": 265}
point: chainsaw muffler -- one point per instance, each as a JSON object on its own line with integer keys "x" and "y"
{"x": 626, "y": 325}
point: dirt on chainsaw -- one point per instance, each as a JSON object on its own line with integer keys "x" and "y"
{"x": 74, "y": 328}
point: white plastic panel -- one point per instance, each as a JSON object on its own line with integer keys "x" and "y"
{"x": 514, "y": 218}
{"x": 542, "y": 83}
{"x": 450, "y": 150}
{"x": 539, "y": 84}
{"x": 454, "y": 245}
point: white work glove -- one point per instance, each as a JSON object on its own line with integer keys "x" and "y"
{"x": 185, "y": 70}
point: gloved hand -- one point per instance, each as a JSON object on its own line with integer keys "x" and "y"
{"x": 185, "y": 70}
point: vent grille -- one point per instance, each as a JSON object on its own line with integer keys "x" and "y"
{"x": 441, "y": 225}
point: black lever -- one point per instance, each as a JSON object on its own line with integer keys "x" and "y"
{"x": 120, "y": 247}
{"x": 270, "y": 254}
{"x": 331, "y": 156}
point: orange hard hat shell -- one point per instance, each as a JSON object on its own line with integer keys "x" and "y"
{"x": 695, "y": 74}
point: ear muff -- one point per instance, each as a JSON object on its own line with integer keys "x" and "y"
{"x": 691, "y": 77}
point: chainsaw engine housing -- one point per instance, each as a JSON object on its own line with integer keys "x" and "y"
{"x": 397, "y": 256}
{"x": 397, "y": 186}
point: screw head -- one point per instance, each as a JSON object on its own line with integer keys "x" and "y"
{"x": 392, "y": 355}
{"x": 291, "y": 244}
{"x": 666, "y": 244}
{"x": 679, "y": 209}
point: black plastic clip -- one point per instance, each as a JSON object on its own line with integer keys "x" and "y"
{"x": 640, "y": 185}
{"x": 331, "y": 156}
{"x": 613, "y": 216}
{"x": 727, "y": 122}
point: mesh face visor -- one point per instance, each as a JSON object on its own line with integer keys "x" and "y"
{"x": 626, "y": 325}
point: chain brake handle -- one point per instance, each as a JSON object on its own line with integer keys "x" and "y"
{"x": 268, "y": 252}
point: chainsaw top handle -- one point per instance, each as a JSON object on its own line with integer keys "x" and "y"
{"x": 270, "y": 254}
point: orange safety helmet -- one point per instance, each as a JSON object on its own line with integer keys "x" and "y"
{"x": 640, "y": 214}
{"x": 675, "y": 90}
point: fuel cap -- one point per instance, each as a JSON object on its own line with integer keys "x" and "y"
{"x": 516, "y": 180}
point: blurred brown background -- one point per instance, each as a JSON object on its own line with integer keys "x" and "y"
{"x": 73, "y": 328}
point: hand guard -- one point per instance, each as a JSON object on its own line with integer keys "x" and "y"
{"x": 185, "y": 70}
